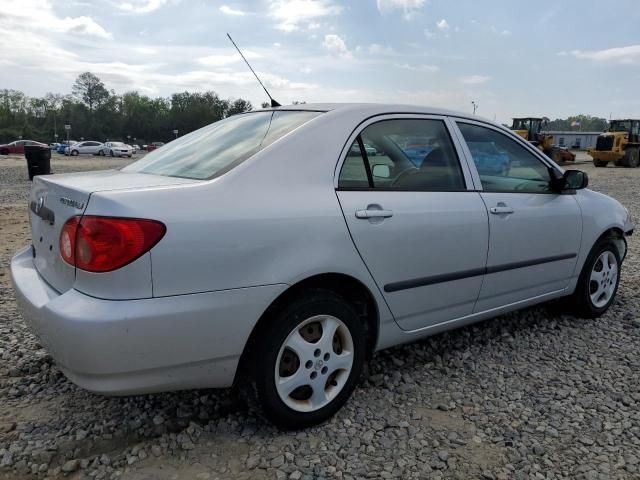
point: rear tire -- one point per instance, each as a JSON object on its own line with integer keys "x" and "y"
{"x": 302, "y": 367}
{"x": 4, "y": 152}
{"x": 600, "y": 163}
{"x": 598, "y": 281}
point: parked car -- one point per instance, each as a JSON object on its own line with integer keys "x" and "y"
{"x": 18, "y": 146}
{"x": 282, "y": 277}
{"x": 116, "y": 149}
{"x": 88, "y": 147}
{"x": 63, "y": 146}
{"x": 489, "y": 159}
{"x": 417, "y": 153}
{"x": 136, "y": 148}
{"x": 153, "y": 146}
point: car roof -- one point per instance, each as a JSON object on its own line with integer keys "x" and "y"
{"x": 376, "y": 109}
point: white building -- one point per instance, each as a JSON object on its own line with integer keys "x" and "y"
{"x": 575, "y": 140}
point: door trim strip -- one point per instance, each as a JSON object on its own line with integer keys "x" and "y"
{"x": 475, "y": 272}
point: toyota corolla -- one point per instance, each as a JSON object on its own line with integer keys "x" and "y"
{"x": 272, "y": 252}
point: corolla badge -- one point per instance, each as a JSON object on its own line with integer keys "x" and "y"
{"x": 71, "y": 203}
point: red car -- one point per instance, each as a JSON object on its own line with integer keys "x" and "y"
{"x": 17, "y": 146}
{"x": 152, "y": 146}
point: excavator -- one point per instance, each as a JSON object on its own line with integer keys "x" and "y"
{"x": 530, "y": 128}
{"x": 620, "y": 144}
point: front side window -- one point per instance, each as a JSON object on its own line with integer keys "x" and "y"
{"x": 215, "y": 149}
{"x": 403, "y": 154}
{"x": 503, "y": 164}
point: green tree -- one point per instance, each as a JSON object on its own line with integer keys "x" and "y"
{"x": 239, "y": 106}
{"x": 89, "y": 89}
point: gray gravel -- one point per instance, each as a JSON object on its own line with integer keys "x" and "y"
{"x": 527, "y": 395}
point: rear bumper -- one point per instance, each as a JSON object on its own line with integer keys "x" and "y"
{"x": 140, "y": 346}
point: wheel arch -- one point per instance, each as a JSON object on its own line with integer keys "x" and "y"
{"x": 350, "y": 288}
{"x": 616, "y": 234}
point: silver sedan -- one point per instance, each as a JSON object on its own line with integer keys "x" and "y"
{"x": 273, "y": 252}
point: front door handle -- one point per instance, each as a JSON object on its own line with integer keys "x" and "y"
{"x": 374, "y": 213}
{"x": 501, "y": 209}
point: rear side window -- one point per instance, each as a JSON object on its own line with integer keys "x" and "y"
{"x": 217, "y": 148}
{"x": 403, "y": 154}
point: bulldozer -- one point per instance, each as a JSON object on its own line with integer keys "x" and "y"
{"x": 620, "y": 144}
{"x": 530, "y": 128}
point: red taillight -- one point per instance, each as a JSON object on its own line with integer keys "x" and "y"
{"x": 102, "y": 244}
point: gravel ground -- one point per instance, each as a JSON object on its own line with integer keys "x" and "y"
{"x": 527, "y": 395}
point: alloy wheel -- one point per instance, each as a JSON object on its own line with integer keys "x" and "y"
{"x": 603, "y": 279}
{"x": 314, "y": 363}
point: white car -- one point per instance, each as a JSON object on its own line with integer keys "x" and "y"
{"x": 116, "y": 149}
{"x": 88, "y": 147}
{"x": 259, "y": 252}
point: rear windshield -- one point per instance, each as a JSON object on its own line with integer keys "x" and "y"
{"x": 217, "y": 148}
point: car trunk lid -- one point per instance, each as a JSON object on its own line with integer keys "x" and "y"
{"x": 56, "y": 198}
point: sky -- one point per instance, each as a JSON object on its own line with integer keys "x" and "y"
{"x": 545, "y": 58}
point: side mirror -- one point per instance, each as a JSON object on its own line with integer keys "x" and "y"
{"x": 575, "y": 180}
{"x": 570, "y": 180}
{"x": 381, "y": 171}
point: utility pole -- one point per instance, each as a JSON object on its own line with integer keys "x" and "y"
{"x": 475, "y": 106}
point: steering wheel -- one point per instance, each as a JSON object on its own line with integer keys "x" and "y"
{"x": 404, "y": 173}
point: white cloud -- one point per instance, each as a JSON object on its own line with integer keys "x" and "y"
{"x": 231, "y": 11}
{"x": 475, "y": 79}
{"x": 409, "y": 7}
{"x": 83, "y": 26}
{"x": 301, "y": 14}
{"x": 377, "y": 49}
{"x": 142, "y": 6}
{"x": 336, "y": 46}
{"x": 624, "y": 55}
{"x": 19, "y": 15}
{"x": 442, "y": 25}
{"x": 223, "y": 60}
{"x": 419, "y": 68}
{"x": 505, "y": 33}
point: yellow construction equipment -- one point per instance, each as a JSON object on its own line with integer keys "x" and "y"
{"x": 620, "y": 144}
{"x": 530, "y": 128}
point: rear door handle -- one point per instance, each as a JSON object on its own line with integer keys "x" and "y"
{"x": 501, "y": 209}
{"x": 374, "y": 213}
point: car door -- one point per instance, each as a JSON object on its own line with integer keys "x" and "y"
{"x": 534, "y": 232}
{"x": 20, "y": 146}
{"x": 420, "y": 227}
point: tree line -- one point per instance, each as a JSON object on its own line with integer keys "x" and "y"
{"x": 96, "y": 113}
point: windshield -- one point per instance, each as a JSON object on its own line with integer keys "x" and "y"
{"x": 620, "y": 126}
{"x": 217, "y": 148}
{"x": 117, "y": 144}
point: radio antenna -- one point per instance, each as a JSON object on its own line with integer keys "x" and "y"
{"x": 273, "y": 102}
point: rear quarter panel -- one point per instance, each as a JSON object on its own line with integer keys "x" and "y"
{"x": 274, "y": 219}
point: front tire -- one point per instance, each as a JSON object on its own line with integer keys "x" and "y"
{"x": 111, "y": 153}
{"x": 101, "y": 153}
{"x": 631, "y": 158}
{"x": 304, "y": 366}
{"x": 598, "y": 281}
{"x": 74, "y": 153}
